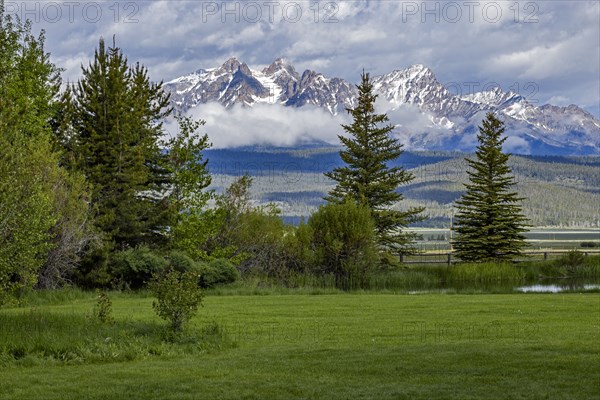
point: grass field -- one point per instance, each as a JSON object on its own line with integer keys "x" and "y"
{"x": 339, "y": 346}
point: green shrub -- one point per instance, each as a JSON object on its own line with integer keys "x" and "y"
{"x": 571, "y": 261}
{"x": 225, "y": 271}
{"x": 343, "y": 241}
{"x": 218, "y": 272}
{"x": 590, "y": 244}
{"x": 133, "y": 268}
{"x": 178, "y": 297}
{"x": 180, "y": 261}
{"x": 573, "y": 258}
{"x": 103, "y": 309}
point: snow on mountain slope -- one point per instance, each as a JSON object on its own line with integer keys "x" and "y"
{"x": 426, "y": 114}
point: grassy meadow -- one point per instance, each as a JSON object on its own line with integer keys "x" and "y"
{"x": 360, "y": 345}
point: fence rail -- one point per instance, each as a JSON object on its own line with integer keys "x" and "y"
{"x": 449, "y": 258}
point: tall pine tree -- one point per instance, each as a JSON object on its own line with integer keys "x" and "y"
{"x": 366, "y": 178}
{"x": 489, "y": 222}
{"x": 113, "y": 132}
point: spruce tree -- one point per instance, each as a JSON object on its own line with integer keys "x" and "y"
{"x": 114, "y": 131}
{"x": 367, "y": 178}
{"x": 489, "y": 222}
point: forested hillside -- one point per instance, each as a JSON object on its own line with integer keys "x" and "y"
{"x": 293, "y": 179}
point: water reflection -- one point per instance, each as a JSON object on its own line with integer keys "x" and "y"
{"x": 526, "y": 286}
{"x": 556, "y": 288}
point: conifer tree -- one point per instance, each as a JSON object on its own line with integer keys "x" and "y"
{"x": 367, "y": 178}
{"x": 114, "y": 130}
{"x": 489, "y": 222}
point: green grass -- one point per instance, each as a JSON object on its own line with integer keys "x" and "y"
{"x": 342, "y": 346}
{"x": 463, "y": 278}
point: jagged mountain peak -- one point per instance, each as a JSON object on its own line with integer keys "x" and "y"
{"x": 447, "y": 121}
{"x": 415, "y": 73}
{"x": 280, "y": 65}
{"x": 420, "y": 71}
{"x": 280, "y": 62}
{"x": 494, "y": 97}
{"x": 231, "y": 65}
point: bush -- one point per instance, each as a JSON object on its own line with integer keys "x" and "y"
{"x": 571, "y": 261}
{"x": 178, "y": 297}
{"x": 102, "y": 311}
{"x": 133, "y": 268}
{"x": 218, "y": 272}
{"x": 589, "y": 244}
{"x": 258, "y": 235}
{"x": 225, "y": 271}
{"x": 343, "y": 240}
{"x": 180, "y": 261}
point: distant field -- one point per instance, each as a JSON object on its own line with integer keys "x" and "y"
{"x": 537, "y": 238}
{"x": 344, "y": 346}
{"x": 560, "y": 191}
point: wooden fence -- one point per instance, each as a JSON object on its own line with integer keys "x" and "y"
{"x": 449, "y": 258}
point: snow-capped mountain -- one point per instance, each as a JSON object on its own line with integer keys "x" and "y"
{"x": 427, "y": 114}
{"x": 279, "y": 83}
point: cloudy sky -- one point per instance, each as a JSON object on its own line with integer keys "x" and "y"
{"x": 548, "y": 51}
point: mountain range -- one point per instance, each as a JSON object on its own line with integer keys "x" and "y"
{"x": 426, "y": 114}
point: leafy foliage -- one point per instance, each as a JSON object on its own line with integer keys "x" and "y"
{"x": 366, "y": 177}
{"x": 71, "y": 233}
{"x": 188, "y": 170}
{"x": 343, "y": 241}
{"x": 571, "y": 262}
{"x": 134, "y": 268}
{"x": 489, "y": 222}
{"x": 249, "y": 236}
{"x": 178, "y": 297}
{"x": 31, "y": 181}
{"x": 103, "y": 308}
{"x": 218, "y": 272}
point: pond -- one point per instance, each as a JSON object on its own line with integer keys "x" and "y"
{"x": 530, "y": 286}
{"x": 568, "y": 287}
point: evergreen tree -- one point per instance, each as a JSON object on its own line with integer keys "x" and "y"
{"x": 113, "y": 130}
{"x": 367, "y": 178}
{"x": 489, "y": 221}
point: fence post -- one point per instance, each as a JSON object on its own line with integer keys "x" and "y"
{"x": 545, "y": 256}
{"x": 449, "y": 259}
{"x": 401, "y": 257}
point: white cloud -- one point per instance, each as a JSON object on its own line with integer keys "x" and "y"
{"x": 555, "y": 45}
{"x": 517, "y": 145}
{"x": 265, "y": 124}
